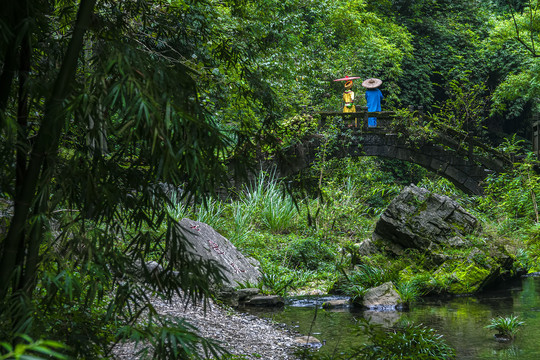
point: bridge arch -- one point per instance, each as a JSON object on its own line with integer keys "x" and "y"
{"x": 465, "y": 170}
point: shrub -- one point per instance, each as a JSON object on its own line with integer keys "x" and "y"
{"x": 308, "y": 253}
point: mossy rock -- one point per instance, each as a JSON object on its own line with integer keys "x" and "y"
{"x": 409, "y": 274}
{"x": 463, "y": 277}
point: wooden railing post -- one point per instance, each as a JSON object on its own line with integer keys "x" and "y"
{"x": 365, "y": 120}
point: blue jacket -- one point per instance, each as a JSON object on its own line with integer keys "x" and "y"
{"x": 373, "y": 98}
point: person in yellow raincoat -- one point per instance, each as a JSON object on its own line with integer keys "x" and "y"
{"x": 348, "y": 98}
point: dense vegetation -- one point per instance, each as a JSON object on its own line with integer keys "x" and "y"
{"x": 106, "y": 107}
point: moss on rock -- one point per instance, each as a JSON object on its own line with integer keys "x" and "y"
{"x": 464, "y": 277}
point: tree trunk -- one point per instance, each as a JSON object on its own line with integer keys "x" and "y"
{"x": 45, "y": 146}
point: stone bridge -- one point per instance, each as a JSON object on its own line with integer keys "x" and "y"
{"x": 455, "y": 155}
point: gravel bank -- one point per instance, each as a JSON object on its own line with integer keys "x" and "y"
{"x": 240, "y": 334}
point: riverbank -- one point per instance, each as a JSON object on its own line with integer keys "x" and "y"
{"x": 244, "y": 335}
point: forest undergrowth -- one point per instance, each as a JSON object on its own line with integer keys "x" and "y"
{"x": 306, "y": 238}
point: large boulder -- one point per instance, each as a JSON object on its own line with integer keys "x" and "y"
{"x": 448, "y": 251}
{"x": 420, "y": 219}
{"x": 207, "y": 243}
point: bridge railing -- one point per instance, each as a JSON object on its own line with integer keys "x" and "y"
{"x": 359, "y": 119}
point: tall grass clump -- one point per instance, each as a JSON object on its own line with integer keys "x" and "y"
{"x": 265, "y": 198}
{"x": 211, "y": 213}
{"x": 176, "y": 208}
{"x": 242, "y": 216}
{"x": 364, "y": 276}
{"x": 278, "y": 213}
{"x": 409, "y": 291}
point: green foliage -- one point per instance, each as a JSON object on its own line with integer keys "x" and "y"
{"x": 466, "y": 105}
{"x": 211, "y": 213}
{"x": 28, "y": 349}
{"x": 356, "y": 282}
{"x": 172, "y": 339}
{"x": 518, "y": 31}
{"x": 113, "y": 113}
{"x": 278, "y": 279}
{"x": 274, "y": 207}
{"x": 506, "y": 327}
{"x": 309, "y": 253}
{"x": 409, "y": 291}
{"x": 407, "y": 341}
{"x": 511, "y": 197}
{"x": 446, "y": 35}
{"x": 278, "y": 213}
{"x": 242, "y": 216}
{"x": 117, "y": 100}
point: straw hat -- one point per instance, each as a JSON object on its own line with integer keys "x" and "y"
{"x": 372, "y": 83}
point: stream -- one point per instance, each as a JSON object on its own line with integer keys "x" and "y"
{"x": 461, "y": 320}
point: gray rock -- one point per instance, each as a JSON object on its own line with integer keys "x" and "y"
{"x": 308, "y": 341}
{"x": 419, "y": 219}
{"x": 366, "y": 248}
{"x": 207, "y": 243}
{"x": 245, "y": 294}
{"x": 228, "y": 296}
{"x": 262, "y": 300}
{"x": 383, "y": 297}
{"x": 436, "y": 228}
{"x": 333, "y": 304}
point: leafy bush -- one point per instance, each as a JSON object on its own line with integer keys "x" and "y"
{"x": 309, "y": 253}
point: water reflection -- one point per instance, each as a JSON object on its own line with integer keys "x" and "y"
{"x": 461, "y": 320}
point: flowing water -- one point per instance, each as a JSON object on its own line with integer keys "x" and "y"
{"x": 461, "y": 320}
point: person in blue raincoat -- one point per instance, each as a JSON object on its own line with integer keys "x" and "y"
{"x": 373, "y": 98}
